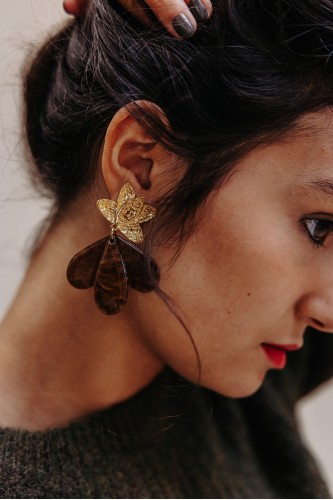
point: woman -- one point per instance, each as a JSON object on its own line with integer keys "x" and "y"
{"x": 182, "y": 391}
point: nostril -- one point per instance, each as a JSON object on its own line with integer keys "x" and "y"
{"x": 318, "y": 323}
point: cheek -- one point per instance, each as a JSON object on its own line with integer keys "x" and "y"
{"x": 254, "y": 267}
{"x": 232, "y": 281}
{"x": 233, "y": 287}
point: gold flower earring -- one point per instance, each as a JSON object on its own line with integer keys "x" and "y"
{"x": 112, "y": 263}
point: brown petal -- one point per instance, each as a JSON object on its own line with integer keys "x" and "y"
{"x": 82, "y": 268}
{"x": 111, "y": 281}
{"x": 142, "y": 271}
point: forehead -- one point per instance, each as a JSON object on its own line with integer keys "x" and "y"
{"x": 298, "y": 163}
{"x": 302, "y": 155}
{"x": 311, "y": 139}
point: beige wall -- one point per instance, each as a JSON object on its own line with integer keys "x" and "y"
{"x": 23, "y": 22}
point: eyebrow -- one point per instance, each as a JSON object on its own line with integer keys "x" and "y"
{"x": 322, "y": 186}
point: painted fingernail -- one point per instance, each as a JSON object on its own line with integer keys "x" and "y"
{"x": 183, "y": 26}
{"x": 198, "y": 10}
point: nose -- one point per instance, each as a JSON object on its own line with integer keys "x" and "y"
{"x": 317, "y": 311}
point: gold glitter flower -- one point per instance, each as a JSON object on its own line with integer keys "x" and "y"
{"x": 127, "y": 213}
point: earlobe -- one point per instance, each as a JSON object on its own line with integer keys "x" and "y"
{"x": 128, "y": 154}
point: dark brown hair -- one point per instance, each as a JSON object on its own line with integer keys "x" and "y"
{"x": 248, "y": 74}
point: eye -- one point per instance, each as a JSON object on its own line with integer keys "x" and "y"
{"x": 318, "y": 230}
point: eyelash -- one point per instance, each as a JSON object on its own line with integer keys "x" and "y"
{"x": 318, "y": 243}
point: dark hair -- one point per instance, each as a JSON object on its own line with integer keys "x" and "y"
{"x": 248, "y": 74}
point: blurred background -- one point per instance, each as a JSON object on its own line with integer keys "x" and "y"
{"x": 23, "y": 25}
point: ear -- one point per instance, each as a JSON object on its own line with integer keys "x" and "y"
{"x": 130, "y": 155}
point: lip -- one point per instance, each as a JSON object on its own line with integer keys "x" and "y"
{"x": 277, "y": 353}
{"x": 286, "y": 347}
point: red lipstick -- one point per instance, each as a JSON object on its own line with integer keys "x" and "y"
{"x": 287, "y": 347}
{"x": 277, "y": 354}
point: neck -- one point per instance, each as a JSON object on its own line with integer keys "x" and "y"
{"x": 60, "y": 357}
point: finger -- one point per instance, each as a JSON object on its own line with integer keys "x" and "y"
{"x": 138, "y": 9}
{"x": 179, "y": 17}
{"x": 201, "y": 9}
{"x": 74, "y": 7}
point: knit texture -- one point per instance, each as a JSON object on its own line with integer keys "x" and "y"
{"x": 175, "y": 440}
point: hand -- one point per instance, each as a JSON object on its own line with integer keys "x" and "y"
{"x": 180, "y": 17}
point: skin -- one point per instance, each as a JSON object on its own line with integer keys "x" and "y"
{"x": 249, "y": 274}
{"x": 164, "y": 10}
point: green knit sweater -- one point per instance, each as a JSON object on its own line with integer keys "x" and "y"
{"x": 173, "y": 440}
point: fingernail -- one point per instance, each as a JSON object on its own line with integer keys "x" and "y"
{"x": 183, "y": 26}
{"x": 198, "y": 10}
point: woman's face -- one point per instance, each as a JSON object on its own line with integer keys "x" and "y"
{"x": 252, "y": 274}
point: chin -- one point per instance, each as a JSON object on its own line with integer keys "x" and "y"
{"x": 238, "y": 387}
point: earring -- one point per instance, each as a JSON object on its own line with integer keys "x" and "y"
{"x": 112, "y": 263}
